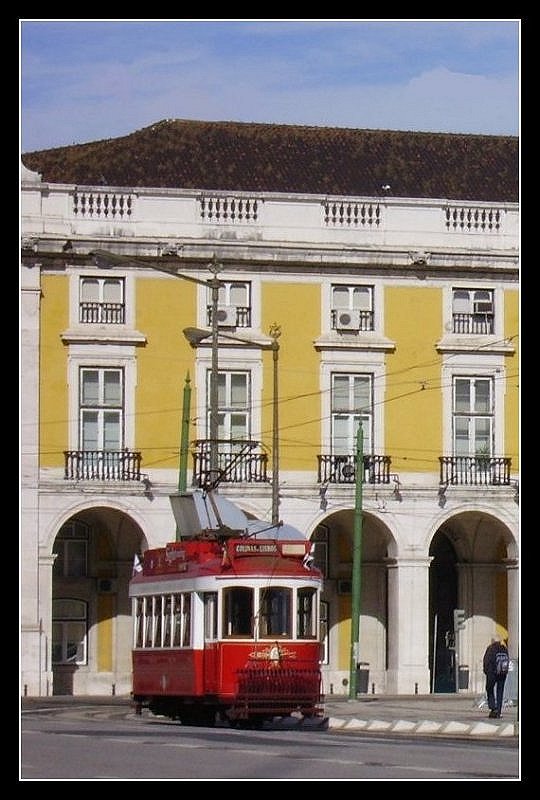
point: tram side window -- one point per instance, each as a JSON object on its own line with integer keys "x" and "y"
{"x": 306, "y": 611}
{"x": 186, "y": 620}
{"x": 238, "y": 612}
{"x": 156, "y": 627}
{"x": 275, "y": 612}
{"x": 166, "y": 631}
{"x": 147, "y": 642}
{"x": 138, "y": 622}
{"x": 181, "y": 620}
{"x": 210, "y": 616}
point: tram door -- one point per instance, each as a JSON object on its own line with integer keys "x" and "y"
{"x": 211, "y": 650}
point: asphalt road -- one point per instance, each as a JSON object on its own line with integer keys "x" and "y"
{"x": 110, "y": 743}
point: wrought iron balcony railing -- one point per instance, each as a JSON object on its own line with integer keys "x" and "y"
{"x": 474, "y": 471}
{"x": 236, "y": 462}
{"x": 102, "y": 465}
{"x": 342, "y": 469}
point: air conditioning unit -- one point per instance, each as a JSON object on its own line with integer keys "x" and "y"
{"x": 226, "y": 316}
{"x": 483, "y": 307}
{"x": 348, "y": 320}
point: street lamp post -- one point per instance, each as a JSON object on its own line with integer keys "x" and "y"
{"x": 275, "y": 333}
{"x": 196, "y": 335}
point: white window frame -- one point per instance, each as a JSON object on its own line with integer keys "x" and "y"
{"x": 350, "y": 287}
{"x": 101, "y": 409}
{"x": 367, "y": 418}
{"x": 82, "y": 356}
{"x": 497, "y": 295}
{"x": 467, "y": 365}
{"x": 101, "y": 281}
{"x": 377, "y": 304}
{"x": 367, "y": 362}
{"x": 64, "y": 623}
{"x": 471, "y": 415}
{"x": 204, "y": 299}
{"x": 226, "y": 410}
{"x": 243, "y": 359}
{"x": 75, "y": 275}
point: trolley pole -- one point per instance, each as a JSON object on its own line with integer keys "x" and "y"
{"x": 184, "y": 443}
{"x": 357, "y": 564}
{"x": 184, "y": 436}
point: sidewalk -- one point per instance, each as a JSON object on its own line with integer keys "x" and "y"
{"x": 425, "y": 715}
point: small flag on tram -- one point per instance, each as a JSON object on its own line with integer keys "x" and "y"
{"x": 137, "y": 566}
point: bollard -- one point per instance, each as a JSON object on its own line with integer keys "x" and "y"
{"x": 113, "y": 689}
{"x": 372, "y": 688}
{"x": 416, "y": 688}
{"x": 26, "y": 690}
{"x": 331, "y": 688}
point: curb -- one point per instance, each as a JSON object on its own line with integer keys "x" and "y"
{"x": 424, "y": 727}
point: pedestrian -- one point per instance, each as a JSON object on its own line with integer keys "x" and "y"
{"x": 495, "y": 665}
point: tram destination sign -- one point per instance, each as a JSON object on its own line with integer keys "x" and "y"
{"x": 255, "y": 549}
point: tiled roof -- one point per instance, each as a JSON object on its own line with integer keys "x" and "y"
{"x": 252, "y": 157}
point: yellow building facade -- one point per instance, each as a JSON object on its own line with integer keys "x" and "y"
{"x": 410, "y": 330}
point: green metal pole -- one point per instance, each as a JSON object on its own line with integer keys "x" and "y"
{"x": 184, "y": 442}
{"x": 357, "y": 564}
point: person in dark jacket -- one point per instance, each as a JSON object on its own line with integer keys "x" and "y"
{"x": 495, "y": 670}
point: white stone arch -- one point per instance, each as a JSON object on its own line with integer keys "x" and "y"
{"x": 55, "y": 524}
{"x": 508, "y": 524}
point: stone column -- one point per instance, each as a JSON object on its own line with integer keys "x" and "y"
{"x": 30, "y": 612}
{"x": 408, "y": 626}
{"x": 512, "y": 578}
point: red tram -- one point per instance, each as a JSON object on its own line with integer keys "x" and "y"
{"x": 227, "y": 628}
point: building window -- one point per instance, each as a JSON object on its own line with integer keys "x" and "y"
{"x": 352, "y": 308}
{"x": 71, "y": 550}
{"x": 101, "y": 399}
{"x": 234, "y": 417}
{"x": 472, "y": 311}
{"x": 102, "y": 301}
{"x": 234, "y": 305}
{"x": 69, "y": 631}
{"x": 473, "y": 416}
{"x": 352, "y": 403}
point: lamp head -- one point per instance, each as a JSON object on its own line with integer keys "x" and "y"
{"x": 196, "y": 335}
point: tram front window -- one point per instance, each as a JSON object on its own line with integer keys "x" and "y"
{"x": 238, "y": 612}
{"x": 275, "y": 612}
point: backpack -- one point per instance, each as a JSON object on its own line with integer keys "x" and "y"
{"x": 502, "y": 662}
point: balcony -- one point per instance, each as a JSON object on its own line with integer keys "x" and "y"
{"x": 102, "y": 465}
{"x": 474, "y": 471}
{"x": 342, "y": 469}
{"x": 478, "y": 323}
{"x": 236, "y": 461}
{"x": 102, "y": 313}
{"x": 230, "y": 317}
